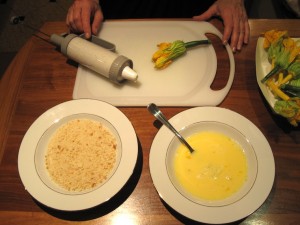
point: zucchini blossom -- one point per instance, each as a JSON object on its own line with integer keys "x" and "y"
{"x": 167, "y": 52}
{"x": 289, "y": 109}
{"x": 273, "y": 36}
{"x": 294, "y": 69}
{"x": 283, "y": 51}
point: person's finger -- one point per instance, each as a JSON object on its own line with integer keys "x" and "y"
{"x": 247, "y": 31}
{"x": 77, "y": 20}
{"x": 228, "y": 27}
{"x": 244, "y": 30}
{"x": 236, "y": 32}
{"x": 241, "y": 36}
{"x": 98, "y": 18}
{"x": 70, "y": 22}
{"x": 85, "y": 21}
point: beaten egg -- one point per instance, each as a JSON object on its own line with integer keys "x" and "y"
{"x": 215, "y": 170}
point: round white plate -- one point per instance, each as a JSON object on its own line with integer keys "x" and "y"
{"x": 213, "y": 214}
{"x": 51, "y": 118}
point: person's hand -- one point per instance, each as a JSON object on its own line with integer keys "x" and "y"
{"x": 84, "y": 16}
{"x": 236, "y": 26}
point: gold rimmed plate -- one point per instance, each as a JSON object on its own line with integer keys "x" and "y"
{"x": 257, "y": 150}
{"x": 32, "y": 153}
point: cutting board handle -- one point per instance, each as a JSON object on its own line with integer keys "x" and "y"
{"x": 217, "y": 96}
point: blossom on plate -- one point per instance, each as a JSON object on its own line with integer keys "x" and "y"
{"x": 282, "y": 51}
{"x": 273, "y": 36}
{"x": 294, "y": 69}
{"x": 289, "y": 109}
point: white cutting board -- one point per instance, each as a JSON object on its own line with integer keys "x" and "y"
{"x": 186, "y": 82}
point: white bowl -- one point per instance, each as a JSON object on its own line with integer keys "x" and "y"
{"x": 257, "y": 149}
{"x": 228, "y": 131}
{"x": 41, "y": 151}
{"x": 31, "y": 158}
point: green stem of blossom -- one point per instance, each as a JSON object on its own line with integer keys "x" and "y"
{"x": 196, "y": 43}
{"x": 272, "y": 72}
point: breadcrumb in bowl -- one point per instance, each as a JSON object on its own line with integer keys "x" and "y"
{"x": 78, "y": 154}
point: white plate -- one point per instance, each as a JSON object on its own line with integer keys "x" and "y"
{"x": 263, "y": 67}
{"x": 200, "y": 212}
{"x": 59, "y": 114}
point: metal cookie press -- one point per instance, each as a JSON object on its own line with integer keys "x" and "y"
{"x": 97, "y": 55}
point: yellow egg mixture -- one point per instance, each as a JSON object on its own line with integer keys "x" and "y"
{"x": 215, "y": 170}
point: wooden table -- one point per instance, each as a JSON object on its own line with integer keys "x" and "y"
{"x": 39, "y": 78}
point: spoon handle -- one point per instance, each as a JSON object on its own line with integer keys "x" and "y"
{"x": 153, "y": 109}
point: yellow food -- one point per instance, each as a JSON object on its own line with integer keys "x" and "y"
{"x": 272, "y": 36}
{"x": 216, "y": 170}
{"x": 80, "y": 155}
{"x": 276, "y": 91}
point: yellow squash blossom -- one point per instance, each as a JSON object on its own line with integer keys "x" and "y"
{"x": 167, "y": 52}
{"x": 289, "y": 109}
{"x": 273, "y": 36}
{"x": 282, "y": 51}
{"x": 294, "y": 69}
{"x": 291, "y": 46}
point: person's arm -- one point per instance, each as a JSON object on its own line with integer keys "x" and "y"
{"x": 236, "y": 26}
{"x": 84, "y": 16}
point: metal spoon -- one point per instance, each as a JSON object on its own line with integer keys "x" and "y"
{"x": 154, "y": 110}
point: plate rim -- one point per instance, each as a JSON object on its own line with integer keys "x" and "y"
{"x": 242, "y": 208}
{"x": 50, "y": 198}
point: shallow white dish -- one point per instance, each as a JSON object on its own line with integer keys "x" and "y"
{"x": 46, "y": 124}
{"x": 222, "y": 213}
{"x": 263, "y": 67}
